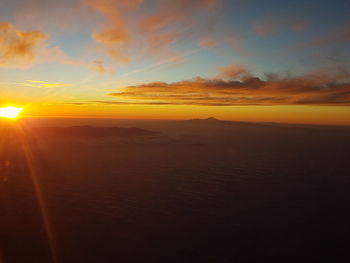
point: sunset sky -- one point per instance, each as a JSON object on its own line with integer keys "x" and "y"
{"x": 246, "y": 60}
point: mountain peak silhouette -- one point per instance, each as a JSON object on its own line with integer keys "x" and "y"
{"x": 211, "y": 119}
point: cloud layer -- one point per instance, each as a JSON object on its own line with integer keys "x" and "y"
{"x": 236, "y": 86}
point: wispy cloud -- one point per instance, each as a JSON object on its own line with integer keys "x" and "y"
{"x": 275, "y": 24}
{"x": 173, "y": 21}
{"x": 338, "y": 34}
{"x": 64, "y": 16}
{"x": 114, "y": 34}
{"x": 23, "y": 49}
{"x": 43, "y": 84}
{"x": 129, "y": 33}
{"x": 238, "y": 44}
{"x": 99, "y": 66}
{"x": 207, "y": 43}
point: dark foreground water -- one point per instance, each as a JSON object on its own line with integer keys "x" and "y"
{"x": 195, "y": 192}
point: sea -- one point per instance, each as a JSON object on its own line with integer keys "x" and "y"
{"x": 190, "y": 191}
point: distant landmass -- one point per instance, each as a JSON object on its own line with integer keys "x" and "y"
{"x": 214, "y": 121}
{"x": 91, "y": 131}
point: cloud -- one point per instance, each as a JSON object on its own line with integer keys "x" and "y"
{"x": 43, "y": 84}
{"x": 23, "y": 49}
{"x": 238, "y": 44}
{"x": 99, "y": 67}
{"x": 238, "y": 87}
{"x": 114, "y": 35}
{"x": 158, "y": 44}
{"x": 339, "y": 34}
{"x": 77, "y": 103}
{"x": 277, "y": 24}
{"x": 56, "y": 55}
{"x": 170, "y": 12}
{"x": 18, "y": 48}
{"x": 151, "y": 33}
{"x": 127, "y": 103}
{"x": 68, "y": 16}
{"x": 175, "y": 18}
{"x": 233, "y": 72}
{"x": 265, "y": 29}
{"x": 175, "y": 60}
{"x": 207, "y": 43}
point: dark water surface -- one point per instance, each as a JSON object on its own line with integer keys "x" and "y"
{"x": 196, "y": 192}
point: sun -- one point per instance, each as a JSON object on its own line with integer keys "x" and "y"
{"x": 10, "y": 112}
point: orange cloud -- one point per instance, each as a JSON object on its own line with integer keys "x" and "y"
{"x": 63, "y": 15}
{"x": 99, "y": 66}
{"x": 18, "y": 48}
{"x": 114, "y": 35}
{"x": 159, "y": 43}
{"x": 207, "y": 43}
{"x": 170, "y": 12}
{"x": 172, "y": 21}
{"x": 23, "y": 49}
{"x": 152, "y": 33}
{"x": 233, "y": 72}
{"x": 314, "y": 88}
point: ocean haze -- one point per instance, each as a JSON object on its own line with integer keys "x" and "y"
{"x": 185, "y": 191}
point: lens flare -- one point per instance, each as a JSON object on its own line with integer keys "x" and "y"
{"x": 10, "y": 112}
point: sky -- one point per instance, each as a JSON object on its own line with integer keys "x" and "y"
{"x": 246, "y": 60}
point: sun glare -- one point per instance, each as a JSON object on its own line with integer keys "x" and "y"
{"x": 10, "y": 112}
